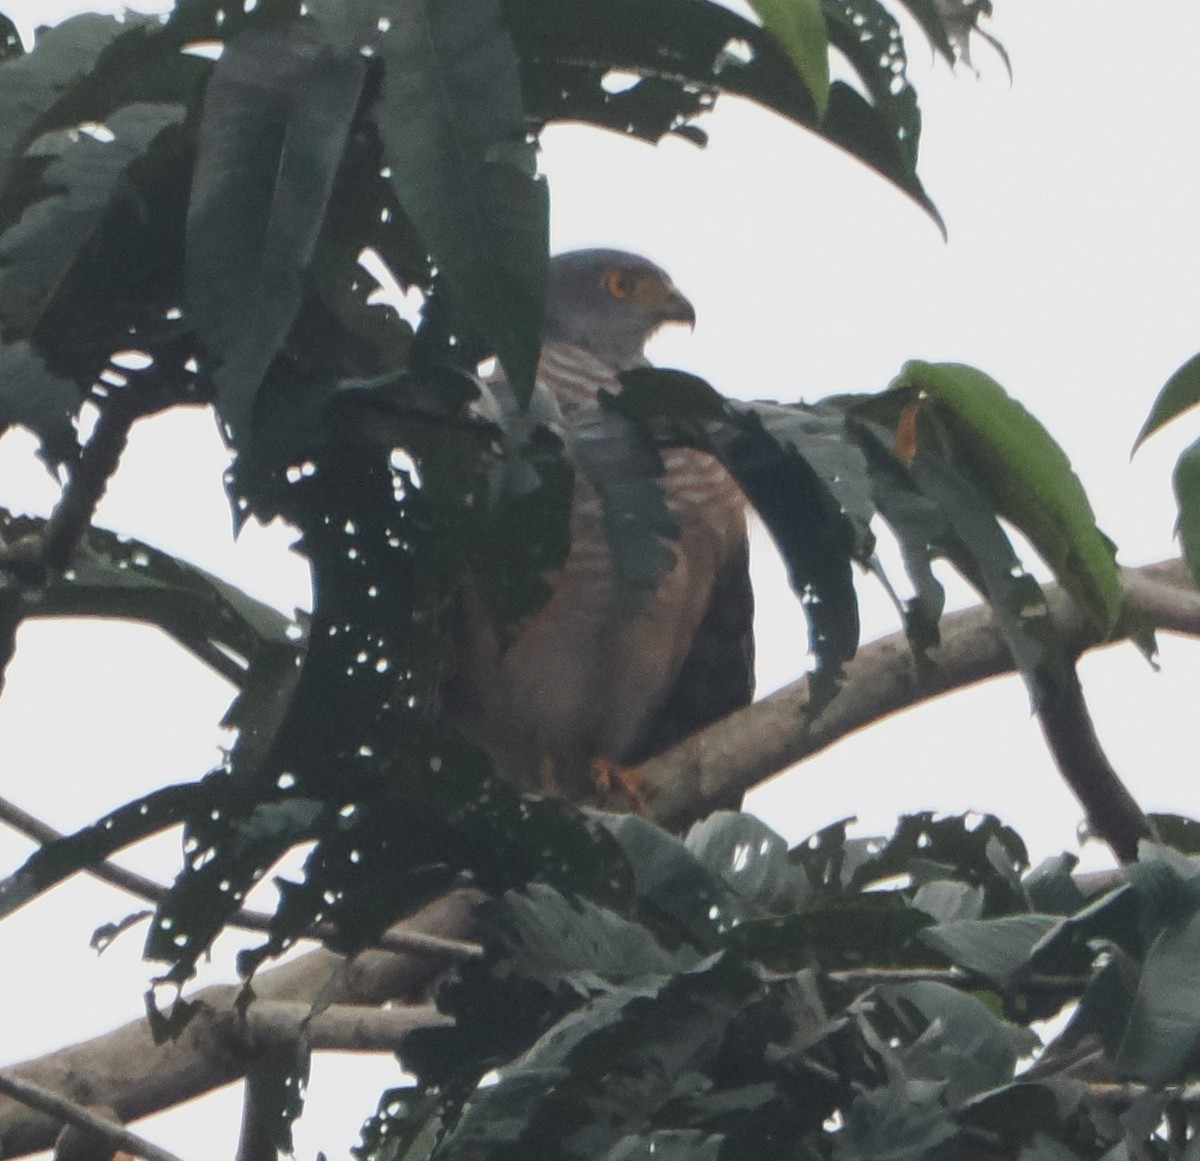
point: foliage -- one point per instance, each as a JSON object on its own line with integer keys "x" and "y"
{"x": 184, "y": 206}
{"x": 849, "y": 998}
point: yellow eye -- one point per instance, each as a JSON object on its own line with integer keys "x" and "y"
{"x": 619, "y": 283}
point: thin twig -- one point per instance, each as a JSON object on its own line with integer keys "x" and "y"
{"x": 455, "y": 950}
{"x": 55, "y": 1105}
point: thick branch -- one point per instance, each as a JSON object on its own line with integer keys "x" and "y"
{"x": 126, "y": 1071}
{"x": 750, "y": 746}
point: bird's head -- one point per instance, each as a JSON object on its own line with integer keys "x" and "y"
{"x": 611, "y": 302}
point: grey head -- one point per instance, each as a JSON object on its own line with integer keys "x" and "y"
{"x": 610, "y": 302}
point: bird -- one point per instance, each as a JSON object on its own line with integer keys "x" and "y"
{"x": 592, "y": 683}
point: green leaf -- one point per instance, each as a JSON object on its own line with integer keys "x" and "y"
{"x": 964, "y": 1044}
{"x": 1164, "y": 1029}
{"x": 452, "y": 123}
{"x": 799, "y": 25}
{"x": 277, "y": 114}
{"x": 1186, "y": 482}
{"x": 994, "y": 948}
{"x": 751, "y": 858}
{"x": 1180, "y": 393}
{"x": 87, "y": 177}
{"x": 1028, "y": 478}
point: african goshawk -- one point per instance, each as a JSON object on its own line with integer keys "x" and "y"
{"x": 588, "y": 679}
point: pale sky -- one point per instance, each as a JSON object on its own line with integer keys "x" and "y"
{"x": 1071, "y": 275}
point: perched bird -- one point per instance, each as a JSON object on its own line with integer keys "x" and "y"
{"x": 592, "y": 682}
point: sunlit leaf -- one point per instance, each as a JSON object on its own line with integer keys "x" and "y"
{"x": 799, "y": 25}
{"x": 1028, "y": 477}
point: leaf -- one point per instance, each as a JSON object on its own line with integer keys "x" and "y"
{"x": 277, "y": 113}
{"x": 87, "y": 176}
{"x": 43, "y": 403}
{"x": 63, "y": 59}
{"x": 126, "y": 579}
{"x": 963, "y": 1044}
{"x": 603, "y": 1072}
{"x": 559, "y": 940}
{"x": 994, "y": 948}
{"x": 1185, "y": 481}
{"x": 623, "y": 466}
{"x": 51, "y": 864}
{"x": 799, "y": 25}
{"x": 983, "y": 553}
{"x": 685, "y": 53}
{"x": 1028, "y": 477}
{"x": 1161, "y": 1040}
{"x": 803, "y": 475}
{"x": 1180, "y": 393}
{"x": 452, "y": 123}
{"x": 869, "y": 38}
{"x": 751, "y": 858}
{"x": 928, "y": 16}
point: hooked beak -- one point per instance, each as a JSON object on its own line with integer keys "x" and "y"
{"x": 676, "y": 308}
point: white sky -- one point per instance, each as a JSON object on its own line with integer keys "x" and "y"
{"x": 1071, "y": 275}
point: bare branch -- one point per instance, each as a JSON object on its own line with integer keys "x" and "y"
{"x": 70, "y": 1113}
{"x": 126, "y": 1071}
{"x": 752, "y": 745}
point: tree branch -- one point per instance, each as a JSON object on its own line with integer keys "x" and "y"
{"x": 417, "y": 943}
{"x": 70, "y": 1113}
{"x": 752, "y": 745}
{"x": 126, "y": 1071}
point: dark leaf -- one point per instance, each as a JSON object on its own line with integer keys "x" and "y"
{"x": 1161, "y": 1040}
{"x": 126, "y": 825}
{"x": 86, "y": 175}
{"x": 1186, "y": 482}
{"x": 62, "y": 62}
{"x": 602, "y": 1072}
{"x": 683, "y": 53}
{"x": 35, "y": 398}
{"x": 451, "y": 120}
{"x": 869, "y": 38}
{"x": 277, "y": 113}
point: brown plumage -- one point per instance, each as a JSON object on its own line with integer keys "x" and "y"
{"x": 591, "y": 677}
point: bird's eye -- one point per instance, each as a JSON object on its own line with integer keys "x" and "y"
{"x": 619, "y": 283}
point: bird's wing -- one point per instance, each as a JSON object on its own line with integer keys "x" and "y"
{"x": 717, "y": 676}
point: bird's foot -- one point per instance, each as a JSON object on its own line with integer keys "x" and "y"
{"x": 548, "y": 778}
{"x": 625, "y": 783}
